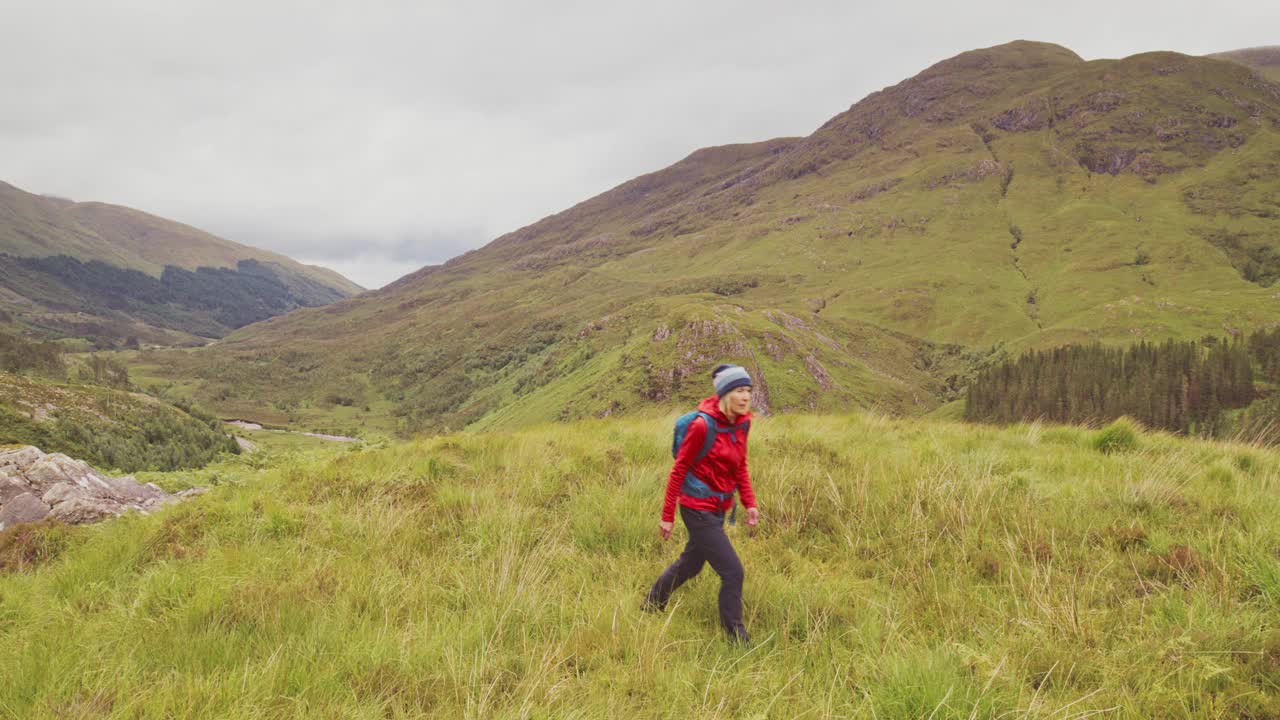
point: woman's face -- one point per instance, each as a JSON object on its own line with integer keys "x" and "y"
{"x": 739, "y": 400}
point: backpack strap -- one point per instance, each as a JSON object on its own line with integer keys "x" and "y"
{"x": 712, "y": 430}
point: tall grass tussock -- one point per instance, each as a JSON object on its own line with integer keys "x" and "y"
{"x": 902, "y": 569}
{"x": 1120, "y": 436}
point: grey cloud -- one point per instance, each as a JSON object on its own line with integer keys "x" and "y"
{"x": 424, "y": 247}
{"x": 385, "y": 133}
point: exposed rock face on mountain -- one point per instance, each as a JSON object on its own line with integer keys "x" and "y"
{"x": 34, "y": 486}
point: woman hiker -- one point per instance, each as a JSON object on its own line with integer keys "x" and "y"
{"x": 703, "y": 479}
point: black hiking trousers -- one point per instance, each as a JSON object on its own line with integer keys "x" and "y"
{"x": 708, "y": 543}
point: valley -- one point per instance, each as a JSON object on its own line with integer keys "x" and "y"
{"x": 1011, "y": 198}
{"x": 440, "y": 498}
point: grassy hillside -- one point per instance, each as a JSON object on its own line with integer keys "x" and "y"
{"x": 1266, "y": 60}
{"x": 108, "y": 273}
{"x": 40, "y": 226}
{"x": 82, "y": 405}
{"x": 1008, "y": 198}
{"x": 903, "y": 569}
{"x": 108, "y": 428}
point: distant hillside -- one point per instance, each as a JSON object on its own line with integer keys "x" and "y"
{"x": 1007, "y": 198}
{"x": 105, "y": 426}
{"x": 82, "y": 406}
{"x": 107, "y": 273}
{"x": 1266, "y": 60}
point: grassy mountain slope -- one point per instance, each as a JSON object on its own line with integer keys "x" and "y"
{"x": 82, "y": 407}
{"x": 1266, "y": 60}
{"x": 108, "y": 428}
{"x": 903, "y": 569}
{"x": 107, "y": 272}
{"x": 1010, "y": 197}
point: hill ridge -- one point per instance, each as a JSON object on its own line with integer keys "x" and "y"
{"x": 79, "y": 207}
{"x": 69, "y": 267}
{"x": 1264, "y": 59}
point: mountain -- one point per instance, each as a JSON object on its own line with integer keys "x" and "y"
{"x": 1266, "y": 60}
{"x": 108, "y": 273}
{"x": 1006, "y": 198}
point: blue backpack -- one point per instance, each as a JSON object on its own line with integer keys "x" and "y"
{"x": 693, "y": 487}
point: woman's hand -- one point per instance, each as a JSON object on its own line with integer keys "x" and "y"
{"x": 753, "y": 516}
{"x": 664, "y": 529}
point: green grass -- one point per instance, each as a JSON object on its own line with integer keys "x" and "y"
{"x": 902, "y": 569}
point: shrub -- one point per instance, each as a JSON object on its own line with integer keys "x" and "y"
{"x": 986, "y": 564}
{"x": 1128, "y": 538}
{"x": 1247, "y": 463}
{"x": 1118, "y": 437}
{"x": 17, "y": 354}
{"x": 29, "y": 545}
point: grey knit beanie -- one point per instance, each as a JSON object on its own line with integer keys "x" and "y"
{"x": 728, "y": 377}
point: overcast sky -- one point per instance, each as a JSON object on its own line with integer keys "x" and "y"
{"x": 374, "y": 138}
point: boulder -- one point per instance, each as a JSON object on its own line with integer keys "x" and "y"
{"x": 79, "y": 509}
{"x": 18, "y": 458}
{"x": 34, "y": 485}
{"x": 10, "y": 488}
{"x": 23, "y": 508}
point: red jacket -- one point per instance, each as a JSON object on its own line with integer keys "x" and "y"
{"x": 723, "y": 469}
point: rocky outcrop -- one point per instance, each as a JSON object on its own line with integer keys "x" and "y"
{"x": 973, "y": 173}
{"x": 1030, "y": 115}
{"x": 35, "y": 486}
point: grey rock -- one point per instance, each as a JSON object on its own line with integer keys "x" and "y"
{"x": 34, "y": 485}
{"x": 19, "y": 457}
{"x": 128, "y": 489}
{"x": 10, "y": 488}
{"x": 23, "y": 508}
{"x": 60, "y": 493}
{"x": 55, "y": 468}
{"x": 81, "y": 509}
